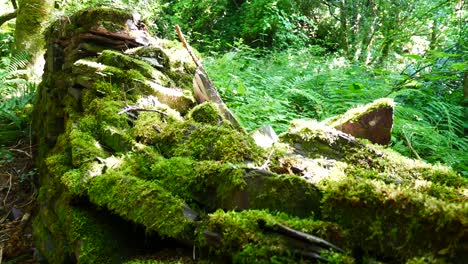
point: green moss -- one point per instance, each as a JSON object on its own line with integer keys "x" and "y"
{"x": 245, "y": 238}
{"x": 75, "y": 181}
{"x": 84, "y": 147}
{"x": 106, "y": 111}
{"x": 115, "y": 138}
{"x": 210, "y": 183}
{"x": 144, "y": 128}
{"x": 88, "y": 124}
{"x": 136, "y": 69}
{"x": 140, "y": 201}
{"x": 286, "y": 193}
{"x": 207, "y": 142}
{"x": 205, "y": 113}
{"x": 108, "y": 18}
{"x": 109, "y": 90}
{"x": 355, "y": 113}
{"x": 93, "y": 241}
{"x": 140, "y": 161}
{"x": 383, "y": 218}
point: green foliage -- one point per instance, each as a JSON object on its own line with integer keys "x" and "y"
{"x": 274, "y": 88}
{"x": 16, "y": 93}
{"x": 215, "y": 25}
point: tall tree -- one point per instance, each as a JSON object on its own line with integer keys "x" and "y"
{"x": 32, "y": 16}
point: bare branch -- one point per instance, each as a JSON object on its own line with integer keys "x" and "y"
{"x": 7, "y": 17}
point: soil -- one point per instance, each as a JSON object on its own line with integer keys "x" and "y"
{"x": 17, "y": 203}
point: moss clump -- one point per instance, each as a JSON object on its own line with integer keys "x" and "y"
{"x": 247, "y": 236}
{"x": 205, "y": 113}
{"x": 75, "y": 181}
{"x": 354, "y": 114}
{"x": 132, "y": 65}
{"x": 146, "y": 127}
{"x": 106, "y": 111}
{"x": 115, "y": 138}
{"x": 98, "y": 17}
{"x": 286, "y": 193}
{"x": 142, "y": 202}
{"x": 207, "y": 142}
{"x": 393, "y": 221}
{"x": 84, "y": 147}
{"x": 210, "y": 183}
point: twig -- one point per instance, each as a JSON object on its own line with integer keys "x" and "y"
{"x": 268, "y": 160}
{"x": 141, "y": 109}
{"x": 408, "y": 142}
{"x": 282, "y": 229}
{"x": 188, "y": 48}
{"x": 8, "y": 192}
{"x": 21, "y": 151}
{"x": 1, "y": 254}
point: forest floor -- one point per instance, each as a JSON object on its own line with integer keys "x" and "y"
{"x": 17, "y": 203}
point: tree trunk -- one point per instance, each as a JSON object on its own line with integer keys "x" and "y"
{"x": 30, "y": 23}
{"x": 7, "y": 17}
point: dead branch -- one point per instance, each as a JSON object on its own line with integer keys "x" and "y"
{"x": 188, "y": 48}
{"x": 7, "y": 17}
{"x": 141, "y": 109}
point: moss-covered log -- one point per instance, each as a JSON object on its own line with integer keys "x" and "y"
{"x": 132, "y": 168}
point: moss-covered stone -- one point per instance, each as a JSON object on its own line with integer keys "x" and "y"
{"x": 142, "y": 202}
{"x": 206, "y": 113}
{"x": 394, "y": 221}
{"x": 128, "y": 63}
{"x": 207, "y": 142}
{"x": 245, "y": 236}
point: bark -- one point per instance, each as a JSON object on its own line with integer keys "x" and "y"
{"x": 30, "y": 22}
{"x": 7, "y": 17}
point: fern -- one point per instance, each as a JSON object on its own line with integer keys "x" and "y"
{"x": 15, "y": 91}
{"x": 277, "y": 87}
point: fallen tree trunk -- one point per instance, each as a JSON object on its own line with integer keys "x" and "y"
{"x": 131, "y": 167}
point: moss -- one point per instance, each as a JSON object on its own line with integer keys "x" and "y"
{"x": 144, "y": 128}
{"x": 142, "y": 202}
{"x": 315, "y": 140}
{"x": 205, "y": 113}
{"x": 140, "y": 161}
{"x": 88, "y": 124}
{"x": 286, "y": 193}
{"x": 93, "y": 242}
{"x": 355, "y": 113}
{"x": 116, "y": 139}
{"x": 112, "y": 91}
{"x": 245, "y": 238}
{"x": 84, "y": 147}
{"x": 210, "y": 183}
{"x": 106, "y": 111}
{"x": 207, "y": 142}
{"x": 104, "y": 17}
{"x": 152, "y": 55}
{"x": 75, "y": 181}
{"x": 382, "y": 218}
{"x": 134, "y": 67}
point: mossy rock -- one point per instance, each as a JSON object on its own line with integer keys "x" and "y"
{"x": 122, "y": 146}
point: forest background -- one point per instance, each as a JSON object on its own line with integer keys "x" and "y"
{"x": 274, "y": 61}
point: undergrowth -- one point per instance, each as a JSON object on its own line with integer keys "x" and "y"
{"x": 274, "y": 88}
